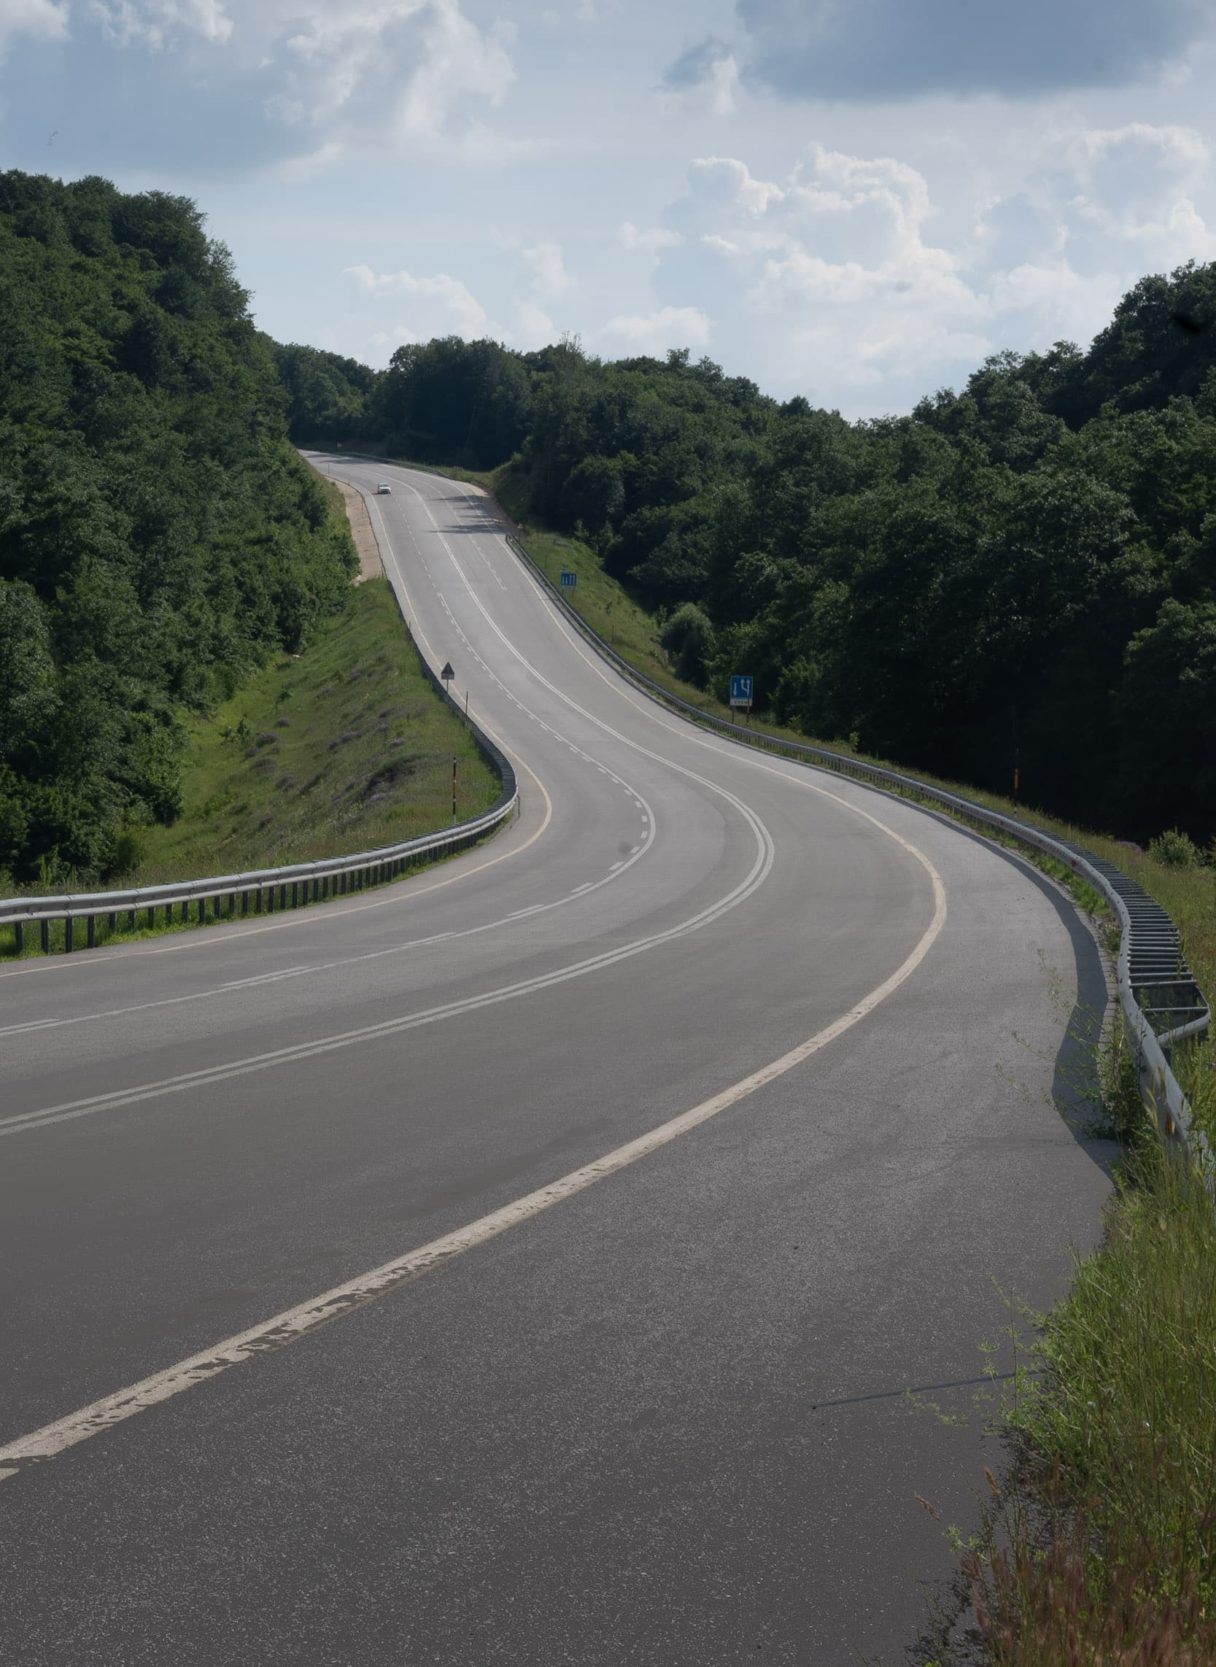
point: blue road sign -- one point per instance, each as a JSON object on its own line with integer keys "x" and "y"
{"x": 741, "y": 691}
{"x": 569, "y": 580}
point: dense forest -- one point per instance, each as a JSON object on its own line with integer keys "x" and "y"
{"x": 159, "y": 536}
{"x": 1018, "y": 575}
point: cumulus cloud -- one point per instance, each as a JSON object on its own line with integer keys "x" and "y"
{"x": 549, "y": 275}
{"x": 1104, "y": 200}
{"x": 711, "y": 67}
{"x": 158, "y": 23}
{"x": 299, "y": 76}
{"x": 442, "y": 297}
{"x": 655, "y": 332}
{"x": 650, "y": 240}
{"x": 844, "y": 284}
{"x": 732, "y": 182}
{"x": 533, "y": 326}
{"x": 872, "y": 49}
{"x": 47, "y": 19}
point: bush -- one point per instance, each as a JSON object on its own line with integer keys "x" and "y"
{"x": 1175, "y": 849}
{"x": 688, "y": 637}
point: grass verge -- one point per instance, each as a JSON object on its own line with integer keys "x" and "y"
{"x": 1100, "y": 1551}
{"x": 340, "y": 749}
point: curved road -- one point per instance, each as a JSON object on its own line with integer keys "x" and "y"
{"x": 528, "y": 1263}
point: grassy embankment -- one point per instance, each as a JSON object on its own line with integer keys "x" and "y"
{"x": 1102, "y": 1551}
{"x": 339, "y": 749}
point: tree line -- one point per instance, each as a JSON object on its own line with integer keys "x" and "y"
{"x": 1018, "y": 576}
{"x": 159, "y": 535}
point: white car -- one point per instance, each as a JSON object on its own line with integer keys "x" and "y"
{"x": 383, "y": 486}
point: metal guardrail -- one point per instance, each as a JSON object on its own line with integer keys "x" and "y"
{"x": 264, "y": 890}
{"x": 1161, "y": 1001}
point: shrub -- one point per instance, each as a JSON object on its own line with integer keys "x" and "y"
{"x": 1175, "y": 849}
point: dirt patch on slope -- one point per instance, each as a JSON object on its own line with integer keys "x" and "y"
{"x": 370, "y": 565}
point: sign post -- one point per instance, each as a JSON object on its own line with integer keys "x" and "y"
{"x": 741, "y": 689}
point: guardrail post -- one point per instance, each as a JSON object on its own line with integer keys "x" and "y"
{"x": 44, "y": 935}
{"x": 244, "y": 904}
{"x": 90, "y": 931}
{"x": 113, "y": 921}
{"x": 130, "y": 920}
{"x": 69, "y": 934}
{"x": 19, "y": 935}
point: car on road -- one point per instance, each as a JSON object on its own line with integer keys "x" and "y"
{"x": 383, "y": 486}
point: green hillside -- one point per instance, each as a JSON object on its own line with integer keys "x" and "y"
{"x": 159, "y": 538}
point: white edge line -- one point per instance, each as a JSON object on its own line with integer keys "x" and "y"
{"x": 288, "y": 1327}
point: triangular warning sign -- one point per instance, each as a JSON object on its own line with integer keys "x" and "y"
{"x": 447, "y": 671}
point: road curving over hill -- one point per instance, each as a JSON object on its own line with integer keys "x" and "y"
{"x": 531, "y": 1261}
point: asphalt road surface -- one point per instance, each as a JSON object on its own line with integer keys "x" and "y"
{"x": 529, "y": 1263}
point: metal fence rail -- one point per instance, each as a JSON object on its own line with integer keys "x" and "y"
{"x": 264, "y": 890}
{"x": 1161, "y": 1003}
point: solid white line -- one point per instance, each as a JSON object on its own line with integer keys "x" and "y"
{"x": 45, "y": 1444}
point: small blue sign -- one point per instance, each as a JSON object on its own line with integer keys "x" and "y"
{"x": 569, "y": 580}
{"x": 741, "y": 691}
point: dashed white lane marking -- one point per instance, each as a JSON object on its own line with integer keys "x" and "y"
{"x": 32, "y": 1026}
{"x": 43, "y": 1445}
{"x": 69, "y": 1110}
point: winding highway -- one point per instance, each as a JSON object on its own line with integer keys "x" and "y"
{"x": 581, "y": 1253}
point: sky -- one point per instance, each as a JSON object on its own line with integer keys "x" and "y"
{"x": 853, "y": 200}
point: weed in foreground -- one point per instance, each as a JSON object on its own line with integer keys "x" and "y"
{"x": 1048, "y": 1610}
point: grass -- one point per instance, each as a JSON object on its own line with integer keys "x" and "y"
{"x": 343, "y": 748}
{"x": 1101, "y": 1552}
{"x": 340, "y": 749}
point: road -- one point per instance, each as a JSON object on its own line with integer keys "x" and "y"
{"x": 643, "y": 1160}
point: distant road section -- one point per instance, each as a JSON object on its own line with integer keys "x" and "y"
{"x": 552, "y": 1259}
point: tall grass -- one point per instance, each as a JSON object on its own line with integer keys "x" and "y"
{"x": 1103, "y": 1553}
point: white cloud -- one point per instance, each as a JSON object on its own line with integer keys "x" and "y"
{"x": 41, "y": 18}
{"x": 651, "y": 239}
{"x": 457, "y": 306}
{"x": 722, "y": 83}
{"x": 157, "y": 23}
{"x": 533, "y": 326}
{"x": 549, "y": 275}
{"x": 353, "y": 71}
{"x": 732, "y": 182}
{"x": 459, "y": 60}
{"x": 655, "y": 332}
